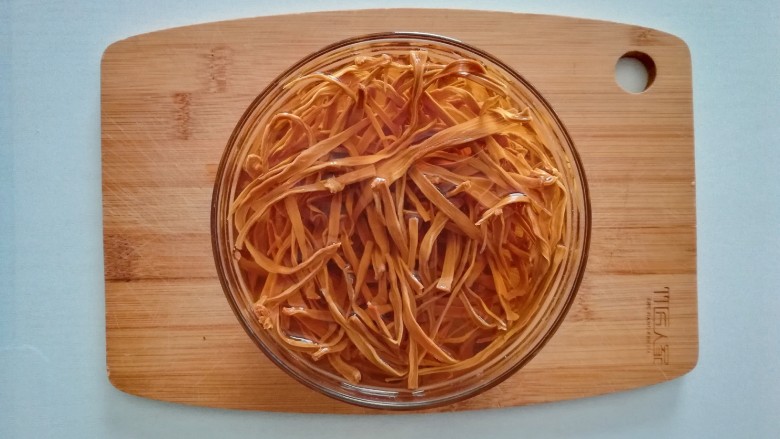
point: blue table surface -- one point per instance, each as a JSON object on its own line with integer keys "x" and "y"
{"x": 52, "y": 337}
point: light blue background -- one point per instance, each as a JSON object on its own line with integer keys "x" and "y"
{"x": 52, "y": 348}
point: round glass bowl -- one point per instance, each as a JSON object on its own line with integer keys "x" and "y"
{"x": 522, "y": 345}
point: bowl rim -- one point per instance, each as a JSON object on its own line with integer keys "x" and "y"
{"x": 586, "y": 217}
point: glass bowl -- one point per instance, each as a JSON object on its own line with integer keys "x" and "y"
{"x": 522, "y": 346}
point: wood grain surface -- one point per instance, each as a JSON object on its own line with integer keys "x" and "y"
{"x": 170, "y": 100}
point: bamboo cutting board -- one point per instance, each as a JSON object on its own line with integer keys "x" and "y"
{"x": 170, "y": 100}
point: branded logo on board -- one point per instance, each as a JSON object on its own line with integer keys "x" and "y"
{"x": 658, "y": 321}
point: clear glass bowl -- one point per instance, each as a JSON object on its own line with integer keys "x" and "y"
{"x": 522, "y": 347}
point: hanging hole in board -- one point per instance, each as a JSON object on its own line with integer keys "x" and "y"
{"x": 635, "y": 72}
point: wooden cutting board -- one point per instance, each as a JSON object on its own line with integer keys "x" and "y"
{"x": 170, "y": 100}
